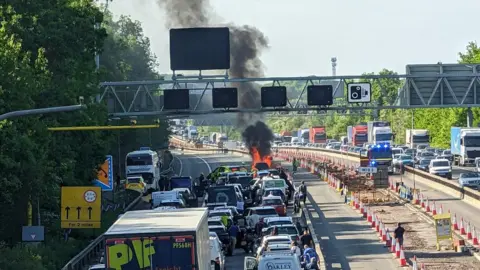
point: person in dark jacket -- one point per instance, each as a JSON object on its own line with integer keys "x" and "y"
{"x": 303, "y": 190}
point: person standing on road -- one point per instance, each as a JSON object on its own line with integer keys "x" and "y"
{"x": 296, "y": 249}
{"x": 399, "y": 231}
{"x": 233, "y": 232}
{"x": 259, "y": 227}
{"x": 303, "y": 191}
{"x": 306, "y": 238}
{"x": 117, "y": 182}
{"x": 294, "y": 165}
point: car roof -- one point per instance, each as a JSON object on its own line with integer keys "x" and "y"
{"x": 274, "y": 188}
{"x": 279, "y": 237}
{"x": 283, "y": 225}
{"x": 224, "y": 210}
{"x": 272, "y": 219}
{"x": 440, "y": 159}
{"x": 272, "y": 197}
{"x": 262, "y": 207}
{"x": 216, "y": 227}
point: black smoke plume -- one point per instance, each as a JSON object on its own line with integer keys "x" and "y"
{"x": 246, "y": 46}
{"x": 259, "y": 136}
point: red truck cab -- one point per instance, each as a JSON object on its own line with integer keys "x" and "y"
{"x": 360, "y": 135}
{"x": 318, "y": 135}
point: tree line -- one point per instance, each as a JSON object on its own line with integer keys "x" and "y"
{"x": 437, "y": 121}
{"x": 47, "y": 53}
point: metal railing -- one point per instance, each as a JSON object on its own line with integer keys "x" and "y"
{"x": 94, "y": 249}
{"x": 453, "y": 188}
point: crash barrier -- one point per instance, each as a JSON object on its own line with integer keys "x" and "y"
{"x": 318, "y": 249}
{"x": 310, "y": 158}
{"x": 94, "y": 249}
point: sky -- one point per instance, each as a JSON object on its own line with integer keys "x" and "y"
{"x": 364, "y": 35}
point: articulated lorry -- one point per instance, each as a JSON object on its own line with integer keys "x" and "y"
{"x": 464, "y": 145}
{"x": 359, "y": 135}
{"x": 415, "y": 137}
{"x": 153, "y": 239}
{"x": 379, "y": 132}
{"x": 318, "y": 134}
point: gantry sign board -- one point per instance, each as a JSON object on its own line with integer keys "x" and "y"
{"x": 359, "y": 92}
{"x": 81, "y": 207}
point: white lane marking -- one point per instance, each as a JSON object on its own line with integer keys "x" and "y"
{"x": 206, "y": 163}
{"x": 181, "y": 166}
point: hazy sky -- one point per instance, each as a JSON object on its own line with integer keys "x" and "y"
{"x": 364, "y": 35}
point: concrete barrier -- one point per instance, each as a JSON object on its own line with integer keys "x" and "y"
{"x": 318, "y": 249}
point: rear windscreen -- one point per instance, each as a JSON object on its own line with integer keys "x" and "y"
{"x": 272, "y": 202}
{"x": 224, "y": 194}
{"x": 265, "y": 212}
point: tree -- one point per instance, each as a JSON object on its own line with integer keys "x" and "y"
{"x": 46, "y": 58}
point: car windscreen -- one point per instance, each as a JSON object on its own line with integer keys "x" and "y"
{"x": 265, "y": 212}
{"x": 290, "y": 230}
{"x": 275, "y": 192}
{"x": 217, "y": 230}
{"x": 469, "y": 175}
{"x": 272, "y": 202}
{"x": 242, "y": 180}
{"x": 405, "y": 157}
{"x": 133, "y": 180}
{"x": 441, "y": 164}
{"x": 217, "y": 214}
{"x": 278, "y": 222}
{"x": 223, "y": 194}
{"x": 214, "y": 223}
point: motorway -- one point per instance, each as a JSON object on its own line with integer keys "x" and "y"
{"x": 346, "y": 240}
{"x": 461, "y": 208}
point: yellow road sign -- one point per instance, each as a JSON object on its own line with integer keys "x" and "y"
{"x": 81, "y": 207}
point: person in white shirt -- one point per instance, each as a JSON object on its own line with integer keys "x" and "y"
{"x": 296, "y": 249}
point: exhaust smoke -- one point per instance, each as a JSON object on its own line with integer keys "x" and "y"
{"x": 246, "y": 45}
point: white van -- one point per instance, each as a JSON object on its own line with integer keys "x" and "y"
{"x": 273, "y": 260}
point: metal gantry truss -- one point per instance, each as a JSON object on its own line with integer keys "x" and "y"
{"x": 425, "y": 86}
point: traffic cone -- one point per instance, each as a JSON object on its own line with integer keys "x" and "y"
{"x": 475, "y": 236}
{"x": 403, "y": 261}
{"x": 365, "y": 212}
{"x": 388, "y": 239}
{"x": 469, "y": 233}
{"x": 440, "y": 210}
{"x": 462, "y": 228}
{"x": 422, "y": 202}
{"x": 397, "y": 249}
{"x": 374, "y": 220}
{"x": 414, "y": 263}
{"x": 423, "y": 267}
{"x": 369, "y": 215}
{"x": 393, "y": 247}
{"x": 383, "y": 234}
{"x": 434, "y": 209}
{"x": 455, "y": 225}
{"x": 381, "y": 229}
{"x": 427, "y": 205}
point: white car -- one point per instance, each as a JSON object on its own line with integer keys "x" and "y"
{"x": 217, "y": 258}
{"x": 215, "y": 221}
{"x": 274, "y": 221}
{"x": 273, "y": 260}
{"x": 440, "y": 167}
{"x": 254, "y": 214}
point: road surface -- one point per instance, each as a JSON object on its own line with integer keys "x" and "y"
{"x": 447, "y": 201}
{"x": 347, "y": 241}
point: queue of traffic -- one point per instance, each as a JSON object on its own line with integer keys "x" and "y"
{"x": 241, "y": 211}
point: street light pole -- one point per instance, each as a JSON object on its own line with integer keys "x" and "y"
{"x": 41, "y": 111}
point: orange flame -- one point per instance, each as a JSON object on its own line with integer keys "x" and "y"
{"x": 256, "y": 158}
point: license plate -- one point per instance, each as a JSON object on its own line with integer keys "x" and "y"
{"x": 244, "y": 243}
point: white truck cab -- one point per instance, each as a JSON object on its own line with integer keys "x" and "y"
{"x": 273, "y": 260}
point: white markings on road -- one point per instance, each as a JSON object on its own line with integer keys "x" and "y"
{"x": 181, "y": 166}
{"x": 206, "y": 163}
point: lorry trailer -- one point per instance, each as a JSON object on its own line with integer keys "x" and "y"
{"x": 151, "y": 239}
